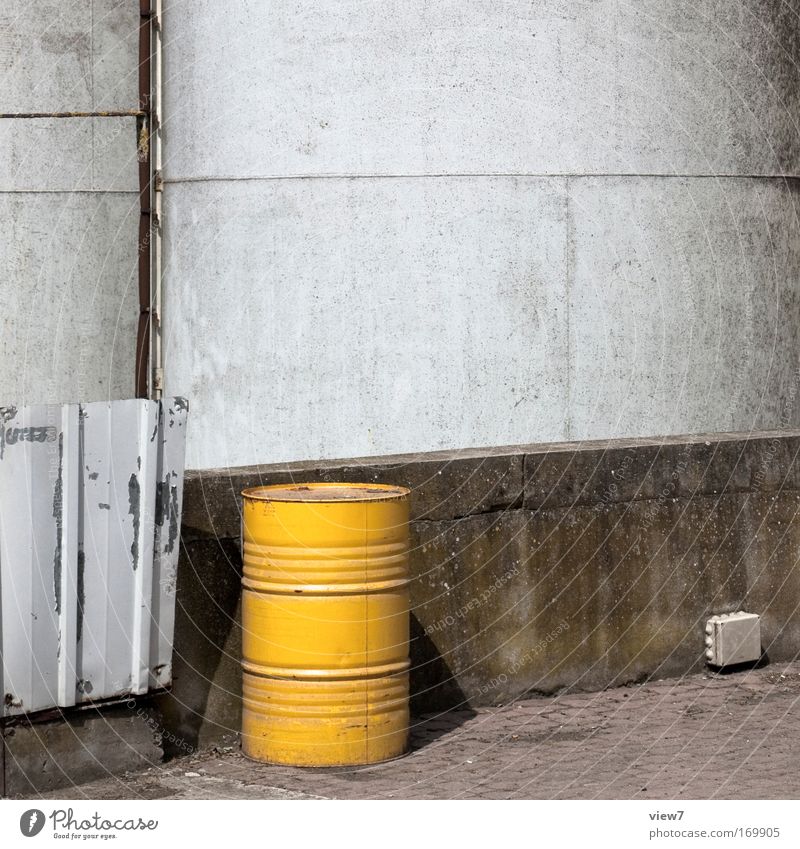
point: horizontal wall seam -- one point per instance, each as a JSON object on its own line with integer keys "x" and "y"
{"x": 68, "y": 191}
{"x": 540, "y": 507}
{"x": 517, "y": 505}
{"x": 470, "y": 174}
{"x": 111, "y": 113}
{"x": 545, "y": 509}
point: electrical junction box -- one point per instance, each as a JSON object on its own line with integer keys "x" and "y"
{"x": 733, "y": 638}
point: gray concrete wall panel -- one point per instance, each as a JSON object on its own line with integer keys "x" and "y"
{"x": 68, "y": 199}
{"x": 67, "y": 328}
{"x": 401, "y": 226}
{"x": 69, "y": 56}
{"x": 477, "y": 86}
{"x": 684, "y": 302}
{"x": 363, "y": 317}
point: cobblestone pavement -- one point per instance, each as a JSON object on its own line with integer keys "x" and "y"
{"x": 705, "y": 736}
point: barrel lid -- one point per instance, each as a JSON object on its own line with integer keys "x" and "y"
{"x": 324, "y": 492}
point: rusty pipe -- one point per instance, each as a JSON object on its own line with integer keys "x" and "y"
{"x": 108, "y": 113}
{"x": 143, "y": 130}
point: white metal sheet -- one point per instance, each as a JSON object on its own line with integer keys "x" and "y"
{"x": 90, "y": 505}
{"x": 118, "y": 464}
{"x": 38, "y": 555}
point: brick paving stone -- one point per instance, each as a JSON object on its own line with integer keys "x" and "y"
{"x": 725, "y": 736}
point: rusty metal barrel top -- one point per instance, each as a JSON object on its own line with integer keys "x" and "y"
{"x": 325, "y": 492}
{"x": 325, "y": 617}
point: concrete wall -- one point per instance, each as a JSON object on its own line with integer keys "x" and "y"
{"x": 534, "y": 569}
{"x": 68, "y": 201}
{"x": 406, "y": 226}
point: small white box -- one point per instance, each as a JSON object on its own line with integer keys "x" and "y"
{"x": 733, "y": 638}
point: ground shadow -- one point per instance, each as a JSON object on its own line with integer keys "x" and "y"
{"x": 438, "y": 704}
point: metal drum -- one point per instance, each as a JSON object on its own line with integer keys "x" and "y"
{"x": 325, "y": 623}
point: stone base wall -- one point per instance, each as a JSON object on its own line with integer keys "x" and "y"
{"x": 63, "y": 749}
{"x": 535, "y": 568}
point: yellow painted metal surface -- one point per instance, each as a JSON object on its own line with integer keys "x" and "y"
{"x": 325, "y": 623}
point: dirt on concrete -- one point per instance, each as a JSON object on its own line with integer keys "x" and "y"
{"x": 723, "y": 736}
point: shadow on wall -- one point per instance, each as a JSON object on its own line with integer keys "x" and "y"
{"x": 204, "y": 706}
{"x": 434, "y": 687}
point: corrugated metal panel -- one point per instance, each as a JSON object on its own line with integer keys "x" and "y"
{"x": 87, "y": 609}
{"x": 38, "y": 554}
{"x": 118, "y": 504}
{"x": 169, "y": 505}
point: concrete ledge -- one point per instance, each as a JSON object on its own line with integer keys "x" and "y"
{"x": 453, "y": 484}
{"x": 676, "y": 467}
{"x": 444, "y": 485}
{"x": 535, "y": 568}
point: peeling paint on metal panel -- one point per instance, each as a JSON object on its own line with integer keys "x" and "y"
{"x": 174, "y": 520}
{"x": 134, "y": 508}
{"x": 167, "y": 510}
{"x": 81, "y": 590}
{"x": 161, "y": 487}
{"x": 6, "y": 415}
{"x": 58, "y": 509}
{"x": 30, "y": 434}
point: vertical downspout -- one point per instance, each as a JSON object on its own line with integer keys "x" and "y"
{"x": 143, "y": 126}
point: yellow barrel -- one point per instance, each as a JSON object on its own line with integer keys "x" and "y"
{"x": 325, "y": 623}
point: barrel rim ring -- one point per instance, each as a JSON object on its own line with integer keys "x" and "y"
{"x": 329, "y": 766}
{"x": 363, "y": 492}
{"x": 268, "y": 588}
{"x": 392, "y": 669}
